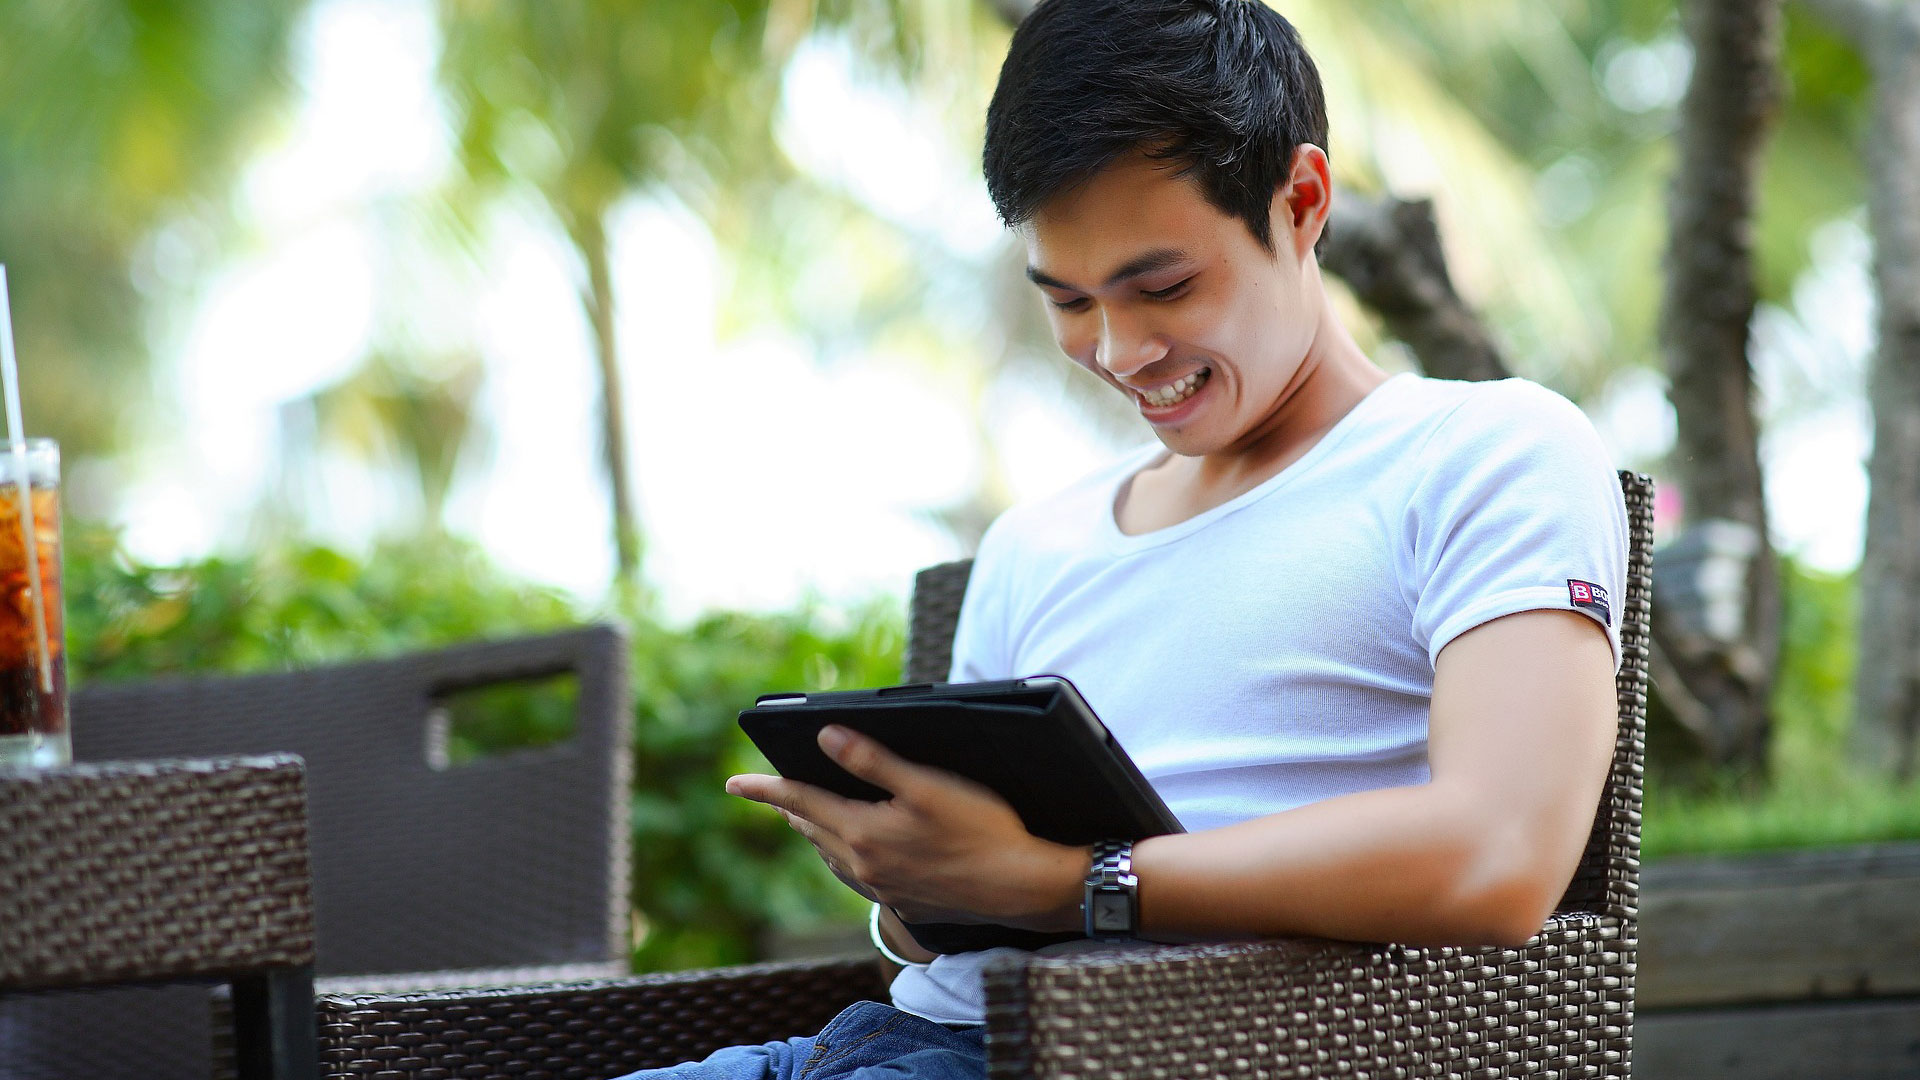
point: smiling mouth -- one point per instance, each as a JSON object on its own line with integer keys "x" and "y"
{"x": 1175, "y": 392}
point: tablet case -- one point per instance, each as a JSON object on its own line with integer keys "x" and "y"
{"x": 1035, "y": 741}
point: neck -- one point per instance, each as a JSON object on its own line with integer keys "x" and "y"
{"x": 1332, "y": 378}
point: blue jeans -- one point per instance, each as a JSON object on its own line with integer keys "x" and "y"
{"x": 867, "y": 1041}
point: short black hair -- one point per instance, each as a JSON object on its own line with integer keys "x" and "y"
{"x": 1223, "y": 89}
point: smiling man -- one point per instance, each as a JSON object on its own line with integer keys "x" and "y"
{"x": 1354, "y": 628}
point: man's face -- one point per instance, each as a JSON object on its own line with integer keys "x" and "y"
{"x": 1174, "y": 303}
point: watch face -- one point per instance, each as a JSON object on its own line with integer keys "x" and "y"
{"x": 1111, "y": 914}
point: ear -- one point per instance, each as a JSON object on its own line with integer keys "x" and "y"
{"x": 1302, "y": 202}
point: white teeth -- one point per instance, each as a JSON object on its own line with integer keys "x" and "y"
{"x": 1177, "y": 391}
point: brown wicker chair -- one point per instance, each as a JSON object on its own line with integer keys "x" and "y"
{"x": 1560, "y": 1006}
{"x": 159, "y": 872}
{"x": 512, "y": 868}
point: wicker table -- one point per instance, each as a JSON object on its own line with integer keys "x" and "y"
{"x": 166, "y": 871}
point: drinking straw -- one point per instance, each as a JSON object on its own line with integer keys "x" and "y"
{"x": 10, "y": 372}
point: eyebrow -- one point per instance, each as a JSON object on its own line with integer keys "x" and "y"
{"x": 1147, "y": 263}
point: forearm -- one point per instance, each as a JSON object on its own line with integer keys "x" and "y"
{"x": 897, "y": 939}
{"x": 1419, "y": 865}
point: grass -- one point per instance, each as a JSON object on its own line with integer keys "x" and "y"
{"x": 1786, "y": 815}
{"x": 1812, "y": 798}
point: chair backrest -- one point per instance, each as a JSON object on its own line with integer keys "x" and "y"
{"x": 515, "y": 859}
{"x": 1608, "y": 879}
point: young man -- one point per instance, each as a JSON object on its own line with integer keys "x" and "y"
{"x": 1353, "y": 627}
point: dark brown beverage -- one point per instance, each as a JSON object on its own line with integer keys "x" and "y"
{"x": 33, "y": 685}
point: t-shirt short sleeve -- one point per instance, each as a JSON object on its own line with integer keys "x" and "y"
{"x": 1517, "y": 509}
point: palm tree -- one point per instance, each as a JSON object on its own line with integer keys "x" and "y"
{"x": 589, "y": 101}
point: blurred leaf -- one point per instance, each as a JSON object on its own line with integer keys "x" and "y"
{"x": 122, "y": 116}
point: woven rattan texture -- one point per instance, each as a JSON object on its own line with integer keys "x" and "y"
{"x": 1608, "y": 879}
{"x": 513, "y": 860}
{"x": 152, "y": 870}
{"x": 117, "y": 1031}
{"x": 584, "y": 1031}
{"x": 420, "y": 981}
{"x": 1559, "y": 1007}
{"x": 931, "y": 615}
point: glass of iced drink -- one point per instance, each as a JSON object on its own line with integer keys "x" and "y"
{"x": 33, "y": 662}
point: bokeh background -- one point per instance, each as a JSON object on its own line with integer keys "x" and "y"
{"x": 372, "y": 324}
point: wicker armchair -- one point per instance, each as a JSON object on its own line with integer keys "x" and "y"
{"x": 159, "y": 872}
{"x": 511, "y": 868}
{"x": 1560, "y": 1006}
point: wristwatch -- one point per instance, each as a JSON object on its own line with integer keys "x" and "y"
{"x": 1112, "y": 902}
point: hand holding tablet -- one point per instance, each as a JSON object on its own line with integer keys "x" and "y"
{"x": 1033, "y": 741}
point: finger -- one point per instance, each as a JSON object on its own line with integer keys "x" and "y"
{"x": 820, "y": 838}
{"x": 830, "y": 849}
{"x": 791, "y": 796}
{"x": 870, "y": 761}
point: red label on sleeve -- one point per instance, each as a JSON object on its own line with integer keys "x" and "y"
{"x": 1591, "y": 597}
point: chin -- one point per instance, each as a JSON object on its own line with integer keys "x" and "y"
{"x": 1184, "y": 443}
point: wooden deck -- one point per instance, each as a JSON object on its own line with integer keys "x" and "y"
{"x": 1781, "y": 967}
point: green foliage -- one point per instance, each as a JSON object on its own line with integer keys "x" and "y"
{"x": 1812, "y": 171}
{"x": 502, "y": 717}
{"x": 1813, "y": 696}
{"x": 291, "y": 606}
{"x": 713, "y": 875}
{"x": 1812, "y": 798}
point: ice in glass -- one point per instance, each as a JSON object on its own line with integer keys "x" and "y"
{"x": 33, "y": 689}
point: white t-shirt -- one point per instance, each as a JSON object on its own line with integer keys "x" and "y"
{"x": 1278, "y": 649}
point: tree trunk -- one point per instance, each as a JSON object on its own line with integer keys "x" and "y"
{"x": 1388, "y": 252}
{"x": 590, "y": 236}
{"x": 1886, "y": 722}
{"x": 1012, "y": 11}
{"x": 1721, "y": 642}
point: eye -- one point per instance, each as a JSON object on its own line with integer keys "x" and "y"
{"x": 1170, "y": 291}
{"x": 1078, "y": 303}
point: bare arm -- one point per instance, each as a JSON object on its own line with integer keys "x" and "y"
{"x": 1521, "y": 734}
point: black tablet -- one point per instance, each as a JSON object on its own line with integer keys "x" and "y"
{"x": 1035, "y": 741}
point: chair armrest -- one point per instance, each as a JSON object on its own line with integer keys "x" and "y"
{"x": 601, "y": 1028}
{"x": 385, "y": 984}
{"x": 1561, "y": 1005}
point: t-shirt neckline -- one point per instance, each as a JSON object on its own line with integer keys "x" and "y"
{"x": 1121, "y": 542}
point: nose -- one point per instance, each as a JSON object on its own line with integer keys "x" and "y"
{"x": 1126, "y": 344}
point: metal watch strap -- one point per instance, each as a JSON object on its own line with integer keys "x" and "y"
{"x": 1112, "y": 900}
